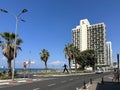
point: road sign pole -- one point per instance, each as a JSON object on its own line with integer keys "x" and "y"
{"x": 24, "y": 65}
{"x": 29, "y": 62}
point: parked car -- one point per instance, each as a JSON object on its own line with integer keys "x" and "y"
{"x": 99, "y": 71}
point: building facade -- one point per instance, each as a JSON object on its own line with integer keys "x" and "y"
{"x": 86, "y": 36}
{"x": 109, "y": 53}
{"x": 79, "y": 35}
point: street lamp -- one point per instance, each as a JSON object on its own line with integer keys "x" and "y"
{"x": 16, "y": 30}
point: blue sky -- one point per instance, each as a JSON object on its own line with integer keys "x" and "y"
{"x": 49, "y": 23}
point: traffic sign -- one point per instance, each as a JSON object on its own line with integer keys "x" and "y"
{"x": 25, "y": 64}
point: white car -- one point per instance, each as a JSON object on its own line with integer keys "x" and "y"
{"x": 99, "y": 71}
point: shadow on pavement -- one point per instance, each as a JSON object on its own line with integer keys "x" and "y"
{"x": 107, "y": 85}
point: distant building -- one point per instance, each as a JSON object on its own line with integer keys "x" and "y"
{"x": 86, "y": 36}
{"x": 109, "y": 54}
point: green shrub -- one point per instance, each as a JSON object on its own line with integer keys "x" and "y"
{"x": 4, "y": 72}
{"x": 3, "y": 77}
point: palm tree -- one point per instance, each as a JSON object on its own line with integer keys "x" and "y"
{"x": 68, "y": 54}
{"x": 44, "y": 55}
{"x": 76, "y": 54}
{"x": 71, "y": 53}
{"x": 8, "y": 48}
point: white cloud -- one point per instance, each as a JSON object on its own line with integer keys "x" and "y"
{"x": 56, "y": 63}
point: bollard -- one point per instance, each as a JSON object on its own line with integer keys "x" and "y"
{"x": 90, "y": 80}
{"x": 84, "y": 85}
{"x": 102, "y": 80}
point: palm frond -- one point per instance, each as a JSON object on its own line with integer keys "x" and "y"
{"x": 19, "y": 41}
{"x": 44, "y": 55}
{"x": 19, "y": 48}
{"x": 5, "y": 35}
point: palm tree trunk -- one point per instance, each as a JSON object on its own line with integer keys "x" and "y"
{"x": 9, "y": 68}
{"x": 75, "y": 66}
{"x": 46, "y": 66}
{"x": 69, "y": 65}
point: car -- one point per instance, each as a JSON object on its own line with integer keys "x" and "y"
{"x": 99, "y": 71}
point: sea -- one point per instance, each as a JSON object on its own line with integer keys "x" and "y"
{"x": 20, "y": 69}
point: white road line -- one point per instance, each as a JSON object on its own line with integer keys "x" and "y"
{"x": 36, "y": 89}
{"x": 63, "y": 81}
{"x": 52, "y": 84}
{"x": 110, "y": 77}
{"x": 4, "y": 83}
{"x": 70, "y": 79}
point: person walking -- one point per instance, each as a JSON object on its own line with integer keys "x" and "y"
{"x": 65, "y": 68}
{"x": 116, "y": 75}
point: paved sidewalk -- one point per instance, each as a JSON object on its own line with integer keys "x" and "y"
{"x": 107, "y": 84}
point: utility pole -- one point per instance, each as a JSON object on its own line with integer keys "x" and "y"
{"x": 118, "y": 66}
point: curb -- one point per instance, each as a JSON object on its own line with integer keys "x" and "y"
{"x": 29, "y": 80}
{"x": 13, "y": 82}
{"x": 87, "y": 87}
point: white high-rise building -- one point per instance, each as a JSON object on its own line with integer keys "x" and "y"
{"x": 109, "y": 53}
{"x": 86, "y": 36}
{"x": 80, "y": 35}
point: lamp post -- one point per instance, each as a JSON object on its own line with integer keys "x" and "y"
{"x": 16, "y": 30}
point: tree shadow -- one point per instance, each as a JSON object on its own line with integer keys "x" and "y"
{"x": 108, "y": 85}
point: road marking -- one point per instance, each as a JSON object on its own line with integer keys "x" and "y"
{"x": 77, "y": 88}
{"x": 110, "y": 77}
{"x": 36, "y": 89}
{"x": 70, "y": 79}
{"x": 52, "y": 84}
{"x": 63, "y": 81}
{"x": 77, "y": 78}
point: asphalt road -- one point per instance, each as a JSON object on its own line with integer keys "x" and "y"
{"x": 55, "y": 83}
